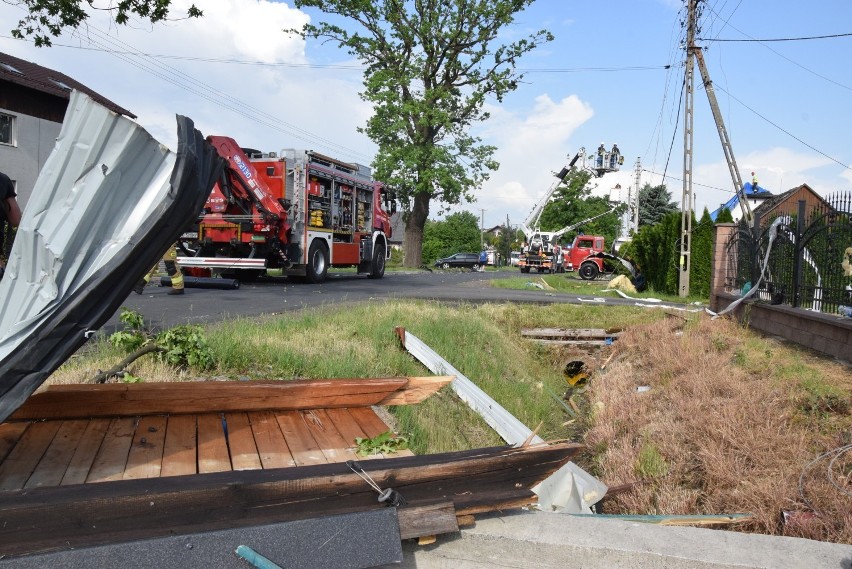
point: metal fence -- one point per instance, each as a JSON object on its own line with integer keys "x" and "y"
{"x": 802, "y": 259}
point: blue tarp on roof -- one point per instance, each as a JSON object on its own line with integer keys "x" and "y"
{"x": 735, "y": 200}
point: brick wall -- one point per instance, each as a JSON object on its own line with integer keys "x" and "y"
{"x": 825, "y": 333}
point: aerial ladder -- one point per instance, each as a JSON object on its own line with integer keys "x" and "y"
{"x": 541, "y": 250}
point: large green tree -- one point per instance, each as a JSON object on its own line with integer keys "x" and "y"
{"x": 655, "y": 202}
{"x": 430, "y": 66}
{"x": 48, "y": 18}
{"x": 573, "y": 202}
{"x": 459, "y": 233}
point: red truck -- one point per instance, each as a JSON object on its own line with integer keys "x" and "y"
{"x": 301, "y": 212}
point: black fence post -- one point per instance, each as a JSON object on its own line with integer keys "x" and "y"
{"x": 800, "y": 253}
{"x": 755, "y": 252}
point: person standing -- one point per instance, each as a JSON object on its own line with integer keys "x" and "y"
{"x": 172, "y": 268}
{"x": 483, "y": 260}
{"x": 753, "y": 182}
{"x": 10, "y": 214}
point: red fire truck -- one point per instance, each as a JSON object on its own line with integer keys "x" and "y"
{"x": 299, "y": 211}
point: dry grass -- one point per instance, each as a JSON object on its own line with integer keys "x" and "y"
{"x": 730, "y": 424}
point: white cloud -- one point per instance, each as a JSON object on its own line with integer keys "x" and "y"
{"x": 265, "y": 107}
{"x": 532, "y": 145}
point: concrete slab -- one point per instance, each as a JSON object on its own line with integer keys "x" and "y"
{"x": 544, "y": 540}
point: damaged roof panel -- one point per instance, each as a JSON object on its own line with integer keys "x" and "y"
{"x": 107, "y": 204}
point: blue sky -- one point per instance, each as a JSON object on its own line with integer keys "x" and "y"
{"x": 601, "y": 80}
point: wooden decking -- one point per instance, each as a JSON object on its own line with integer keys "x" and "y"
{"x": 84, "y": 434}
{"x": 87, "y": 465}
{"x": 77, "y": 451}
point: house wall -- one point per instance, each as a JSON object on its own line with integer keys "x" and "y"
{"x": 23, "y": 162}
{"x": 824, "y": 333}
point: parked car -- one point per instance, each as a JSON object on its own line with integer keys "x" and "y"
{"x": 515, "y": 257}
{"x": 459, "y": 260}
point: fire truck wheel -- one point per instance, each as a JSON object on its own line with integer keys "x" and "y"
{"x": 377, "y": 270}
{"x": 589, "y": 271}
{"x": 317, "y": 262}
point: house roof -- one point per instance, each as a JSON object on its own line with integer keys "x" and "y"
{"x": 752, "y": 192}
{"x": 769, "y": 205}
{"x": 33, "y": 76}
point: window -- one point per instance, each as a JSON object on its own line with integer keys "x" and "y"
{"x": 7, "y": 129}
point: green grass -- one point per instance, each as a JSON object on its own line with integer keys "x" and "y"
{"x": 572, "y": 284}
{"x": 483, "y": 342}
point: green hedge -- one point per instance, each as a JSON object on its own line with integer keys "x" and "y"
{"x": 656, "y": 249}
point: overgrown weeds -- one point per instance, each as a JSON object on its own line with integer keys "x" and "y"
{"x": 732, "y": 428}
{"x": 704, "y": 416}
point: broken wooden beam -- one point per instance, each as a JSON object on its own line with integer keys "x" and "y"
{"x": 480, "y": 480}
{"x": 115, "y": 399}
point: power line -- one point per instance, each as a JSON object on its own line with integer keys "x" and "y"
{"x": 336, "y": 66}
{"x": 812, "y": 72}
{"x": 791, "y": 135}
{"x": 776, "y": 39}
{"x": 147, "y": 63}
{"x": 665, "y": 176}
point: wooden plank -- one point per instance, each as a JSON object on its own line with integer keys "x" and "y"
{"x": 346, "y": 425}
{"x": 51, "y": 468}
{"x": 73, "y": 516}
{"x": 10, "y": 433}
{"x": 299, "y": 439}
{"x": 369, "y": 421}
{"x": 271, "y": 451}
{"x": 87, "y": 449}
{"x": 333, "y": 445}
{"x": 569, "y": 342}
{"x": 433, "y": 519}
{"x": 241, "y": 445}
{"x": 212, "y": 445}
{"x": 112, "y": 456}
{"x": 146, "y": 454}
{"x": 21, "y": 462}
{"x": 570, "y": 333}
{"x": 418, "y": 389}
{"x": 123, "y": 399}
{"x": 179, "y": 449}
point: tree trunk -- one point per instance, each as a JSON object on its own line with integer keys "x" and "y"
{"x": 414, "y": 230}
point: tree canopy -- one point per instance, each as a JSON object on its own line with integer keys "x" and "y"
{"x": 654, "y": 203}
{"x": 48, "y": 18}
{"x": 431, "y": 64}
{"x": 459, "y": 233}
{"x": 573, "y": 202}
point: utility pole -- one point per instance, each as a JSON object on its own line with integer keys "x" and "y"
{"x": 635, "y": 202}
{"x": 686, "y": 200}
{"x": 482, "y": 229}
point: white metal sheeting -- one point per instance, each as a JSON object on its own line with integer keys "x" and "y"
{"x": 78, "y": 215}
{"x": 507, "y": 425}
{"x": 106, "y": 205}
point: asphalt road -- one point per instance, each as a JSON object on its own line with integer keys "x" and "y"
{"x": 198, "y": 306}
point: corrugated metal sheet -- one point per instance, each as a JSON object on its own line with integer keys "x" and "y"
{"x": 107, "y": 204}
{"x": 498, "y": 418}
